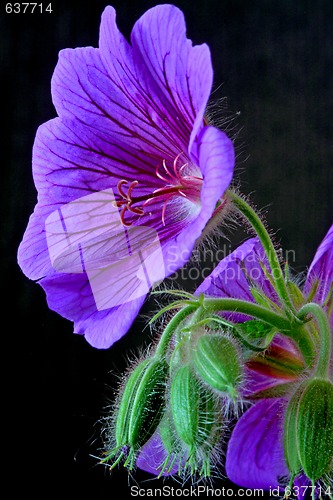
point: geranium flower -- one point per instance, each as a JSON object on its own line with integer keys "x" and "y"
{"x": 128, "y": 175}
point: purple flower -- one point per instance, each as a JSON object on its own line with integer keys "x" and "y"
{"x": 128, "y": 174}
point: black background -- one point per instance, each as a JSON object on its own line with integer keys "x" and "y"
{"x": 273, "y": 61}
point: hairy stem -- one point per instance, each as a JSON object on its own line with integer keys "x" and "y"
{"x": 247, "y": 211}
{"x": 325, "y": 352}
{"x": 167, "y": 334}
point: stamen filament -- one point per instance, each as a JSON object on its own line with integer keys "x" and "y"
{"x": 176, "y": 184}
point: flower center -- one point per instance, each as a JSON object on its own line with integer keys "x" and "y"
{"x": 178, "y": 182}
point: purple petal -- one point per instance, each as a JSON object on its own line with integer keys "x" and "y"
{"x": 183, "y": 73}
{"x": 33, "y": 254}
{"x": 257, "y": 382}
{"x": 255, "y": 451}
{"x": 152, "y": 456}
{"x": 216, "y": 160}
{"x": 303, "y": 488}
{"x": 321, "y": 268}
{"x": 71, "y": 296}
{"x": 237, "y": 273}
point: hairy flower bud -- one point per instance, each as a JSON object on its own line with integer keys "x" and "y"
{"x": 195, "y": 417}
{"x": 141, "y": 408}
{"x": 185, "y": 405}
{"x": 216, "y": 361}
{"x": 309, "y": 429}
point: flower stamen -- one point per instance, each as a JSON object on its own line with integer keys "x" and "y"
{"x": 176, "y": 184}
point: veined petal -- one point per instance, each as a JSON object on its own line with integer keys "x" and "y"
{"x": 216, "y": 159}
{"x": 182, "y": 73}
{"x": 321, "y": 268}
{"x": 255, "y": 451}
{"x": 70, "y": 161}
{"x": 237, "y": 273}
{"x": 71, "y": 296}
{"x": 136, "y": 94}
{"x": 228, "y": 278}
{"x": 84, "y": 90}
{"x": 33, "y": 254}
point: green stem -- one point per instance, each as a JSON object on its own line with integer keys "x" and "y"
{"x": 250, "y": 309}
{"x": 290, "y": 328}
{"x": 325, "y": 352}
{"x": 234, "y": 328}
{"x": 277, "y": 273}
{"x": 171, "y": 328}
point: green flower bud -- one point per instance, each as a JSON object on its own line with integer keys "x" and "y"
{"x": 309, "y": 429}
{"x": 216, "y": 361}
{"x": 141, "y": 408}
{"x": 196, "y": 419}
{"x": 185, "y": 398}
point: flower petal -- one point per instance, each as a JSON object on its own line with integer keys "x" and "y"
{"x": 152, "y": 456}
{"x": 183, "y": 73}
{"x": 321, "y": 268}
{"x": 33, "y": 254}
{"x": 237, "y": 273}
{"x": 71, "y": 296}
{"x": 215, "y": 154}
{"x": 255, "y": 453}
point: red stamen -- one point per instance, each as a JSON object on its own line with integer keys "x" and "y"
{"x": 176, "y": 183}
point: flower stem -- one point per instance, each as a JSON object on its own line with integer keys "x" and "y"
{"x": 250, "y": 309}
{"x": 247, "y": 211}
{"x": 171, "y": 328}
{"x": 325, "y": 353}
{"x": 283, "y": 324}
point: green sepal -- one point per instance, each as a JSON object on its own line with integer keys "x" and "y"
{"x": 197, "y": 420}
{"x": 296, "y": 294}
{"x": 255, "y": 329}
{"x": 308, "y": 429}
{"x": 126, "y": 403}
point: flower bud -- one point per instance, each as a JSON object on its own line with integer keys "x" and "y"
{"x": 216, "y": 361}
{"x": 309, "y": 429}
{"x": 196, "y": 419}
{"x": 141, "y": 407}
{"x": 185, "y": 405}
